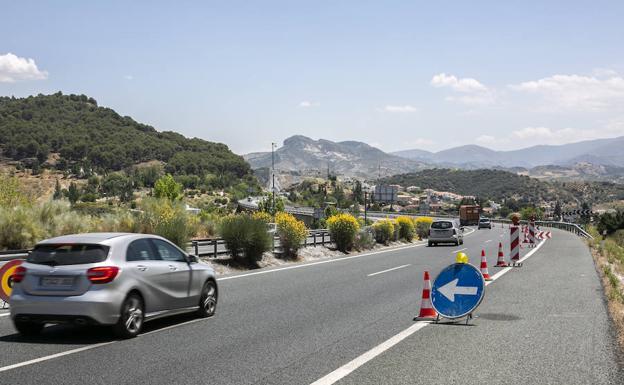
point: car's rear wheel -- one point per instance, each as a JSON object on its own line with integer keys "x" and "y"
{"x": 28, "y": 328}
{"x": 131, "y": 318}
{"x": 208, "y": 300}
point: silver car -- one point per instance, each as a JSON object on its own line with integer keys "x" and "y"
{"x": 116, "y": 279}
{"x": 445, "y": 231}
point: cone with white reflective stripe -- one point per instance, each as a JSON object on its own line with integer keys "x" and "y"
{"x": 427, "y": 312}
{"x": 484, "y": 268}
{"x": 501, "y": 257}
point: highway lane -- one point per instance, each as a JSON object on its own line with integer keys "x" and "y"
{"x": 286, "y": 326}
{"x": 544, "y": 323}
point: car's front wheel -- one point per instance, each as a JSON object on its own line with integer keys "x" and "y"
{"x": 28, "y": 328}
{"x": 131, "y": 318}
{"x": 208, "y": 300}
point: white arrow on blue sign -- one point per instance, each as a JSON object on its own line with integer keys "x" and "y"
{"x": 457, "y": 290}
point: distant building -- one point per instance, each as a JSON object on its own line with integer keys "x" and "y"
{"x": 386, "y": 193}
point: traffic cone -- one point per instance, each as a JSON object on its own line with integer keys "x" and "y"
{"x": 484, "y": 269}
{"x": 501, "y": 258}
{"x": 427, "y": 312}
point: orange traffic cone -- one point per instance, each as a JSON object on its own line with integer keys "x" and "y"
{"x": 501, "y": 258}
{"x": 484, "y": 269}
{"x": 427, "y": 312}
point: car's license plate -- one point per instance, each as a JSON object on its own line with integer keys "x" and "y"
{"x": 57, "y": 281}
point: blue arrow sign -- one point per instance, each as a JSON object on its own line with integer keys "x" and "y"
{"x": 457, "y": 290}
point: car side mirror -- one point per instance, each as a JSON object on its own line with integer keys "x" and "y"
{"x": 462, "y": 229}
{"x": 192, "y": 258}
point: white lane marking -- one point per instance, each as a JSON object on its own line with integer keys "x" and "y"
{"x": 53, "y": 356}
{"x": 385, "y": 271}
{"x": 488, "y": 241}
{"x": 89, "y": 347}
{"x": 350, "y": 367}
{"x": 5, "y": 314}
{"x": 457, "y": 251}
{"x": 345, "y": 370}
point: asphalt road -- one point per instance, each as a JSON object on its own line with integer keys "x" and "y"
{"x": 543, "y": 323}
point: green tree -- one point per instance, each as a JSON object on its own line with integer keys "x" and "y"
{"x": 58, "y": 193}
{"x": 72, "y": 193}
{"x": 167, "y": 187}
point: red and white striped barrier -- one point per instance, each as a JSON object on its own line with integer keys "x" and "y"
{"x": 532, "y": 233}
{"x": 548, "y": 235}
{"x": 514, "y": 237}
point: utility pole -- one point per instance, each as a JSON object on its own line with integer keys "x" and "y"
{"x": 365, "y": 209}
{"x": 273, "y": 175}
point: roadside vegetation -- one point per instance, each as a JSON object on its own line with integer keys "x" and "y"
{"x": 608, "y": 253}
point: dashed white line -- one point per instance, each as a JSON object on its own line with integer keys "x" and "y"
{"x": 488, "y": 241}
{"x": 457, "y": 251}
{"x": 5, "y": 314}
{"x": 351, "y": 366}
{"x": 385, "y": 271}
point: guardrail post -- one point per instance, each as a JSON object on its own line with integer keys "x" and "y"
{"x": 323, "y": 241}
{"x": 314, "y": 238}
{"x": 214, "y": 243}
{"x": 196, "y": 247}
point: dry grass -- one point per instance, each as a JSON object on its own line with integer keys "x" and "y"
{"x": 613, "y": 289}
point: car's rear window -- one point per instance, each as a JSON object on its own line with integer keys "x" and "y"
{"x": 484, "y": 220}
{"x": 441, "y": 225}
{"x": 73, "y": 254}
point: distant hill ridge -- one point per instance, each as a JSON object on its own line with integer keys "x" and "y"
{"x": 95, "y": 137}
{"x": 606, "y": 152}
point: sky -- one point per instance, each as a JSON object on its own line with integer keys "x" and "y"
{"x": 395, "y": 74}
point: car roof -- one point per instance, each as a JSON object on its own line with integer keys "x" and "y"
{"x": 85, "y": 238}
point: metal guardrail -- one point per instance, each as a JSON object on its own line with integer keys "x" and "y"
{"x": 216, "y": 246}
{"x": 570, "y": 227}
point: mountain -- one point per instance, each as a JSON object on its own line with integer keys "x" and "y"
{"x": 605, "y": 152}
{"x": 71, "y": 131}
{"x": 498, "y": 185}
{"x": 310, "y": 157}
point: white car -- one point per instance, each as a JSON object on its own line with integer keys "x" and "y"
{"x": 445, "y": 231}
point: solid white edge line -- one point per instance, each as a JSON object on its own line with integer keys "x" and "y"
{"x": 5, "y": 314}
{"x": 387, "y": 270}
{"x": 351, "y": 366}
{"x": 89, "y": 347}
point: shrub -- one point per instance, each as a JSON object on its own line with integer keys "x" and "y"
{"x": 167, "y": 218}
{"x": 245, "y": 237}
{"x": 167, "y": 187}
{"x": 384, "y": 230}
{"x": 422, "y": 225}
{"x": 365, "y": 239}
{"x": 343, "y": 228}
{"x": 406, "y": 228}
{"x": 291, "y": 231}
{"x": 263, "y": 216}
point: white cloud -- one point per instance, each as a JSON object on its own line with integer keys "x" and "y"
{"x": 308, "y": 104}
{"x": 469, "y": 91}
{"x": 14, "y": 68}
{"x": 405, "y": 108}
{"x": 603, "y": 90}
{"x": 457, "y": 84}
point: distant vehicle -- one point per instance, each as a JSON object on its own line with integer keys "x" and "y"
{"x": 445, "y": 231}
{"x": 469, "y": 215}
{"x": 116, "y": 279}
{"x": 485, "y": 223}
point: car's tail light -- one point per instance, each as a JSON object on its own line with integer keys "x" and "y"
{"x": 18, "y": 274}
{"x": 102, "y": 274}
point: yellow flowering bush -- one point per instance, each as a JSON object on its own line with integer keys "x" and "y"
{"x": 263, "y": 216}
{"x": 343, "y": 229}
{"x": 291, "y": 231}
{"x": 423, "y": 224}
{"x": 384, "y": 230}
{"x": 407, "y": 230}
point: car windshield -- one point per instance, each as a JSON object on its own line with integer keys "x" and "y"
{"x": 65, "y": 254}
{"x": 484, "y": 220}
{"x": 441, "y": 225}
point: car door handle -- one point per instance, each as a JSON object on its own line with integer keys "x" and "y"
{"x": 171, "y": 267}
{"x": 142, "y": 267}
